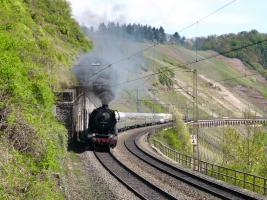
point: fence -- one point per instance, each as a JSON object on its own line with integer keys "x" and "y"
{"x": 245, "y": 180}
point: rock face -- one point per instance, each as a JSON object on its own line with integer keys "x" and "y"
{"x": 73, "y": 108}
{"x": 64, "y": 108}
{"x": 64, "y": 113}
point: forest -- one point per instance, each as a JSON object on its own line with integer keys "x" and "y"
{"x": 253, "y": 57}
{"x": 138, "y": 32}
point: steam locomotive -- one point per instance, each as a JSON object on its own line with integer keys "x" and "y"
{"x": 102, "y": 127}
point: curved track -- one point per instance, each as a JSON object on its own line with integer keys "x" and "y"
{"x": 138, "y": 185}
{"x": 203, "y": 184}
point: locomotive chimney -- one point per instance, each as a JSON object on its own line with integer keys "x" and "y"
{"x": 105, "y": 105}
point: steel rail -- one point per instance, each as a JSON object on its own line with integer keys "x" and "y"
{"x": 133, "y": 182}
{"x": 184, "y": 175}
{"x": 229, "y": 121}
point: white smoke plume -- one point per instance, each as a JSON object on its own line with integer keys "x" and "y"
{"x": 109, "y": 49}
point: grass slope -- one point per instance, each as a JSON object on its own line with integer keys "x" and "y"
{"x": 38, "y": 41}
{"x": 254, "y": 56}
{"x": 216, "y": 98}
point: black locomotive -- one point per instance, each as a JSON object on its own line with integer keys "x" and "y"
{"x": 102, "y": 127}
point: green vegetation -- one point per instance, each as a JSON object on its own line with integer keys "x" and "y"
{"x": 254, "y": 56}
{"x": 166, "y": 76}
{"x": 213, "y": 101}
{"x": 245, "y": 152}
{"x": 38, "y": 41}
{"x": 178, "y": 137}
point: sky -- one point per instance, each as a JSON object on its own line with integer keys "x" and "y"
{"x": 174, "y": 15}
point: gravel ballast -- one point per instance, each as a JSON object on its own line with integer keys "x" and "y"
{"x": 169, "y": 184}
{"x": 105, "y": 186}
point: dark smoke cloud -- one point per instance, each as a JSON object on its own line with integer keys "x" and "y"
{"x": 109, "y": 49}
{"x": 101, "y": 84}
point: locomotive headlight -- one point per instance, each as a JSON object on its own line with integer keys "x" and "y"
{"x": 93, "y": 134}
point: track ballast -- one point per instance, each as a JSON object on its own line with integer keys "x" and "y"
{"x": 185, "y": 176}
{"x": 138, "y": 185}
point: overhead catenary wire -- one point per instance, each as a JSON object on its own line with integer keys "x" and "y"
{"x": 192, "y": 62}
{"x": 117, "y": 61}
{"x": 205, "y": 17}
{"x": 186, "y": 64}
{"x": 152, "y": 46}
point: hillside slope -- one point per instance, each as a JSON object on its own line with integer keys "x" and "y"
{"x": 38, "y": 41}
{"x": 225, "y": 87}
{"x": 220, "y": 92}
{"x": 254, "y": 57}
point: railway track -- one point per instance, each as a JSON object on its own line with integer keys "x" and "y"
{"x": 135, "y": 183}
{"x": 190, "y": 178}
{"x": 229, "y": 122}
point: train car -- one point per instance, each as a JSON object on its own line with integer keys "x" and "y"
{"x": 129, "y": 120}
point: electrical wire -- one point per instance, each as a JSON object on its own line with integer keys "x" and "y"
{"x": 118, "y": 61}
{"x": 152, "y": 46}
{"x": 183, "y": 65}
{"x": 205, "y": 17}
{"x": 192, "y": 62}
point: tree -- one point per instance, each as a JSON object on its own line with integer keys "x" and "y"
{"x": 111, "y": 27}
{"x": 161, "y": 35}
{"x": 137, "y": 31}
{"x": 155, "y": 34}
{"x": 247, "y": 152}
{"x": 175, "y": 38}
{"x": 102, "y": 28}
{"x": 130, "y": 29}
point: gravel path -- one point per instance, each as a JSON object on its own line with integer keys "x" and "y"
{"x": 173, "y": 186}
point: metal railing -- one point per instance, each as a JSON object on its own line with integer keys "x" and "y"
{"x": 245, "y": 180}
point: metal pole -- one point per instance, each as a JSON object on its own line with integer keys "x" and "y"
{"x": 137, "y": 100}
{"x": 195, "y": 125}
{"x": 84, "y": 113}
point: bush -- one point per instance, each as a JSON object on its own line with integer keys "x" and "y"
{"x": 177, "y": 137}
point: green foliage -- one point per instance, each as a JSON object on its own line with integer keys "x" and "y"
{"x": 172, "y": 139}
{"x": 24, "y": 180}
{"x": 178, "y": 137}
{"x": 254, "y": 56}
{"x": 182, "y": 131}
{"x": 246, "y": 153}
{"x": 38, "y": 42}
{"x": 165, "y": 76}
